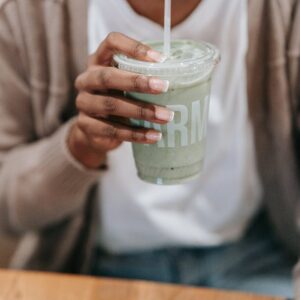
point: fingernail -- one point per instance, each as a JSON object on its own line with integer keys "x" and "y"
{"x": 164, "y": 114}
{"x": 154, "y": 136}
{"x": 156, "y": 56}
{"x": 159, "y": 85}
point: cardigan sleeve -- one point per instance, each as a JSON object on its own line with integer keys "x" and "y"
{"x": 41, "y": 184}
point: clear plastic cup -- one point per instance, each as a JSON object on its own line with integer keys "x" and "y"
{"x": 179, "y": 156}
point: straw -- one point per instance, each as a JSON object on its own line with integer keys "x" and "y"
{"x": 167, "y": 31}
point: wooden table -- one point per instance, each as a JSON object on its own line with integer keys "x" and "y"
{"x": 41, "y": 286}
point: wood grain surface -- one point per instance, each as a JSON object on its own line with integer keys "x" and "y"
{"x": 41, "y": 286}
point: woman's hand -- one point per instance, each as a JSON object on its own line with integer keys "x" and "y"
{"x": 102, "y": 124}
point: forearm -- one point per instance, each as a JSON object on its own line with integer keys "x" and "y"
{"x": 41, "y": 184}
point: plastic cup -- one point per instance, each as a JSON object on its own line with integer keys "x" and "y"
{"x": 179, "y": 156}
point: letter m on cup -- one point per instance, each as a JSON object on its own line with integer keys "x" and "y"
{"x": 199, "y": 120}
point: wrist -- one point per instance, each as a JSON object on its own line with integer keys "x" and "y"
{"x": 82, "y": 151}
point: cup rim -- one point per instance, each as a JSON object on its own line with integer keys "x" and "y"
{"x": 202, "y": 64}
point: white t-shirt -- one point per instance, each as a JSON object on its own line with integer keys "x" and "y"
{"x": 217, "y": 206}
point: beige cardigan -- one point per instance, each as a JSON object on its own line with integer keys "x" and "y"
{"x": 48, "y": 196}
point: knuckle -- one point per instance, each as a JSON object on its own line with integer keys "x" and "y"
{"x": 105, "y": 77}
{"x": 95, "y": 141}
{"x": 137, "y": 136}
{"x": 142, "y": 112}
{"x": 145, "y": 111}
{"x": 78, "y": 83}
{"x": 110, "y": 105}
{"x": 112, "y": 38}
{"x": 81, "y": 122}
{"x": 110, "y": 132}
{"x": 139, "y": 50}
{"x": 80, "y": 101}
{"x": 140, "y": 83}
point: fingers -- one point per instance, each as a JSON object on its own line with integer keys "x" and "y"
{"x": 120, "y": 43}
{"x": 102, "y": 131}
{"x": 109, "y": 78}
{"x": 106, "y": 105}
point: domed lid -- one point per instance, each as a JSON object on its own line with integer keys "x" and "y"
{"x": 187, "y": 58}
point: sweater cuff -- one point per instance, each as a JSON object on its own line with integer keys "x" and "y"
{"x": 72, "y": 172}
{"x": 55, "y": 185}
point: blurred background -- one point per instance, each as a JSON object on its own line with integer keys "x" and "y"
{"x": 7, "y": 246}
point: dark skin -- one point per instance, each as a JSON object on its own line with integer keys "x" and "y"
{"x": 152, "y": 10}
{"x": 101, "y": 124}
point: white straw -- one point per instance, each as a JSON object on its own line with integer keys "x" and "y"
{"x": 167, "y": 32}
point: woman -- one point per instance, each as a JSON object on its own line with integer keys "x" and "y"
{"x": 58, "y": 166}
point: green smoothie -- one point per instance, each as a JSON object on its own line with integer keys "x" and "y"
{"x": 179, "y": 156}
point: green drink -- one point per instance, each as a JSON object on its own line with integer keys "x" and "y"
{"x": 179, "y": 156}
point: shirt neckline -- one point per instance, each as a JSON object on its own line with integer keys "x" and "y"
{"x": 130, "y": 14}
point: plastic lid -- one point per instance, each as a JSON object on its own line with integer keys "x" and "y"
{"x": 187, "y": 58}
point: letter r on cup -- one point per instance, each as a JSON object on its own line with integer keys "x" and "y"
{"x": 180, "y": 127}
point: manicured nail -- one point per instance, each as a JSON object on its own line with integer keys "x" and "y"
{"x": 154, "y": 136}
{"x": 156, "y": 56}
{"x": 164, "y": 114}
{"x": 159, "y": 85}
